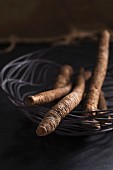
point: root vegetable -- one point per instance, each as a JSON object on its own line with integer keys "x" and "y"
{"x": 102, "y": 105}
{"x": 48, "y": 96}
{"x": 64, "y": 76}
{"x": 63, "y": 107}
{"x": 61, "y": 88}
{"x": 98, "y": 75}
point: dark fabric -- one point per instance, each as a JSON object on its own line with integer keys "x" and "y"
{"x": 21, "y": 149}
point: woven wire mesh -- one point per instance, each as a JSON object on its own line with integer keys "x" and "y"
{"x": 36, "y": 72}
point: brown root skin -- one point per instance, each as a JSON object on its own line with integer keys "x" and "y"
{"x": 64, "y": 76}
{"x": 63, "y": 107}
{"x": 87, "y": 75}
{"x": 98, "y": 75}
{"x": 61, "y": 88}
{"x": 47, "y": 96}
{"x": 102, "y": 105}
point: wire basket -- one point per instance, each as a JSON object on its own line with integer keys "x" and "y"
{"x": 36, "y": 72}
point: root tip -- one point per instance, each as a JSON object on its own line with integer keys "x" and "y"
{"x": 41, "y": 131}
{"x": 29, "y": 101}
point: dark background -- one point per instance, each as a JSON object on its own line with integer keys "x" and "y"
{"x": 21, "y": 149}
{"x": 49, "y": 20}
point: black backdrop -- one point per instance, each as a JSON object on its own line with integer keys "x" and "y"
{"x": 21, "y": 149}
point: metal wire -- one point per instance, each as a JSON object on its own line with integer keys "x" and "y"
{"x": 35, "y": 72}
